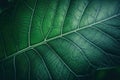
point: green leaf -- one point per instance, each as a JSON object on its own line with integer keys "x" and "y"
{"x": 59, "y": 39}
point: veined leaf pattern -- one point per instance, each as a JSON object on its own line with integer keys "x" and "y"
{"x": 59, "y": 39}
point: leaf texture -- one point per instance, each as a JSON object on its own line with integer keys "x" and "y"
{"x": 59, "y": 39}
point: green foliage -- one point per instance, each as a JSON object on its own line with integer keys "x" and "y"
{"x": 60, "y": 40}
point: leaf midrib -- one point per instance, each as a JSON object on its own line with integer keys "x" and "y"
{"x": 50, "y": 39}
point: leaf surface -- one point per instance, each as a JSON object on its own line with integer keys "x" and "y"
{"x": 59, "y": 39}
